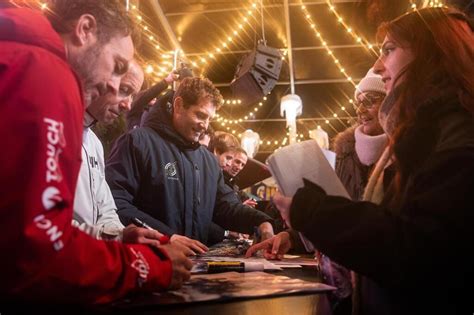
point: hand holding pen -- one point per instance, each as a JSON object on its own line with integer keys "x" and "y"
{"x": 194, "y": 247}
{"x": 141, "y": 233}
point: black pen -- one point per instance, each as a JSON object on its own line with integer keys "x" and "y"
{"x": 163, "y": 239}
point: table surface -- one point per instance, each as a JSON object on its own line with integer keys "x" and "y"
{"x": 301, "y": 304}
{"x": 305, "y": 303}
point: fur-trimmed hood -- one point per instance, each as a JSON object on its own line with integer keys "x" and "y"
{"x": 344, "y": 142}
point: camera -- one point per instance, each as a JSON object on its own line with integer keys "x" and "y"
{"x": 184, "y": 71}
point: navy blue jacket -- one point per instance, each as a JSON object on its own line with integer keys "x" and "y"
{"x": 173, "y": 185}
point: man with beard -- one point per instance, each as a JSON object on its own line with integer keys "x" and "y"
{"x": 94, "y": 206}
{"x": 43, "y": 65}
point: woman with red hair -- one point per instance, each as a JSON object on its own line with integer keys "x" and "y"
{"x": 414, "y": 246}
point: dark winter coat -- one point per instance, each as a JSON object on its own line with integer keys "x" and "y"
{"x": 419, "y": 252}
{"x": 173, "y": 185}
{"x": 352, "y": 173}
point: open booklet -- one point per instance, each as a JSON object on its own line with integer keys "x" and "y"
{"x": 290, "y": 164}
{"x": 306, "y": 159}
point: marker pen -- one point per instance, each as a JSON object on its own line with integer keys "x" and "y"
{"x": 163, "y": 239}
{"x": 226, "y": 266}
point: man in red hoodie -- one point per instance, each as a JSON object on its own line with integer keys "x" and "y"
{"x": 43, "y": 66}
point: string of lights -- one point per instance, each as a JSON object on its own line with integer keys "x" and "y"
{"x": 350, "y": 30}
{"x": 162, "y": 69}
{"x": 320, "y": 37}
{"x": 432, "y": 4}
{"x": 250, "y": 115}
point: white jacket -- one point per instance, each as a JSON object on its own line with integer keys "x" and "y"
{"x": 94, "y": 206}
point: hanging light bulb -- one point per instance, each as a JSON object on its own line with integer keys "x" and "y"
{"x": 291, "y": 107}
{"x": 250, "y": 142}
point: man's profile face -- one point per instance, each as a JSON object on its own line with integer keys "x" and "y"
{"x": 238, "y": 163}
{"x": 106, "y": 109}
{"x": 191, "y": 122}
{"x": 101, "y": 66}
{"x": 225, "y": 160}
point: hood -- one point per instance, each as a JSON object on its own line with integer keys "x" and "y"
{"x": 344, "y": 142}
{"x": 441, "y": 124}
{"x": 30, "y": 27}
{"x": 159, "y": 119}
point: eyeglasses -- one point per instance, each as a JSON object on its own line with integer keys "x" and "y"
{"x": 368, "y": 101}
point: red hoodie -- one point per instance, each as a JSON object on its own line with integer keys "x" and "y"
{"x": 44, "y": 257}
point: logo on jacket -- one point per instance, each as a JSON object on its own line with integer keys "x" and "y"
{"x": 141, "y": 266}
{"x": 54, "y": 148}
{"x": 51, "y": 197}
{"x": 171, "y": 170}
{"x": 93, "y": 162}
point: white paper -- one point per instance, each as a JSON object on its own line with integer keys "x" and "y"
{"x": 290, "y": 164}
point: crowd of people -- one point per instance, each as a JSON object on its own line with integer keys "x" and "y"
{"x": 400, "y": 245}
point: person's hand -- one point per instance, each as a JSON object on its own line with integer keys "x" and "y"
{"x": 135, "y": 234}
{"x": 273, "y": 248}
{"x": 181, "y": 264}
{"x": 283, "y": 205}
{"x": 250, "y": 203}
{"x": 266, "y": 231}
{"x": 195, "y": 246}
{"x": 172, "y": 76}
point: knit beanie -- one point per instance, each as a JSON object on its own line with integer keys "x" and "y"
{"x": 370, "y": 83}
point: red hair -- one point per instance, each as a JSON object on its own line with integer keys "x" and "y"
{"x": 441, "y": 41}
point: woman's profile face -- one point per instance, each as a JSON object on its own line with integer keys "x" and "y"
{"x": 393, "y": 59}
